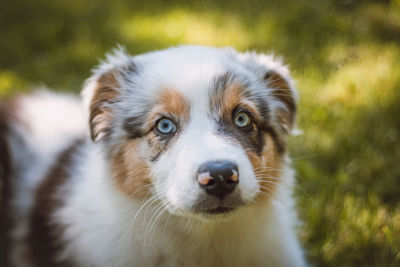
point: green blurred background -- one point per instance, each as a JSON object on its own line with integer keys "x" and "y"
{"x": 344, "y": 54}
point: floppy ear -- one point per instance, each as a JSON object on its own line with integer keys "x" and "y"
{"x": 102, "y": 91}
{"x": 284, "y": 92}
{"x": 276, "y": 77}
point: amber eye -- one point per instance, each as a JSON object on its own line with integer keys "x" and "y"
{"x": 166, "y": 126}
{"x": 242, "y": 120}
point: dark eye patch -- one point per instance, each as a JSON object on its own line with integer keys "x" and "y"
{"x": 227, "y": 96}
{"x": 158, "y": 142}
{"x": 145, "y": 126}
{"x": 249, "y": 137}
{"x": 134, "y": 126}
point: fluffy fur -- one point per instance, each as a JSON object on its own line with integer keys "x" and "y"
{"x": 98, "y": 185}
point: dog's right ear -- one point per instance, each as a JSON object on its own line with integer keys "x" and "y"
{"x": 276, "y": 77}
{"x": 103, "y": 90}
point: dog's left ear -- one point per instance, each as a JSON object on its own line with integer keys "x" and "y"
{"x": 284, "y": 92}
{"x": 276, "y": 77}
{"x": 102, "y": 91}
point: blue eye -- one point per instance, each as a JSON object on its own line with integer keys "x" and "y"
{"x": 166, "y": 126}
{"x": 242, "y": 120}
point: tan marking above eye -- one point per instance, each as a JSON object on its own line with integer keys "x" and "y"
{"x": 224, "y": 104}
{"x": 171, "y": 103}
{"x": 233, "y": 99}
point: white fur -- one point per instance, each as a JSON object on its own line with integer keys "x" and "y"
{"x": 104, "y": 227}
{"x": 120, "y": 233}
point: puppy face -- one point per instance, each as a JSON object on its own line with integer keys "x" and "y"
{"x": 200, "y": 129}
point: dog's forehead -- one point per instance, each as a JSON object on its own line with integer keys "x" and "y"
{"x": 191, "y": 71}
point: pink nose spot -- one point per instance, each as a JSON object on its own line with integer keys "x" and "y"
{"x": 235, "y": 176}
{"x": 204, "y": 178}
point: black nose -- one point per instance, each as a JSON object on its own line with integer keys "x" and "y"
{"x": 218, "y": 178}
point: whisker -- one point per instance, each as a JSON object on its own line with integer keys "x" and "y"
{"x": 291, "y": 182}
{"x": 160, "y": 211}
{"x": 153, "y": 198}
{"x": 261, "y": 176}
{"x": 270, "y": 182}
{"x": 140, "y": 189}
{"x": 266, "y": 168}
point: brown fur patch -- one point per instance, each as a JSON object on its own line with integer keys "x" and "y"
{"x": 170, "y": 103}
{"x": 105, "y": 92}
{"x": 283, "y": 93}
{"x": 131, "y": 172}
{"x": 266, "y": 167}
{"x": 174, "y": 103}
{"x": 232, "y": 96}
{"x": 130, "y": 164}
{"x": 43, "y": 239}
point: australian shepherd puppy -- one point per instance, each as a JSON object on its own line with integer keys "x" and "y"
{"x": 175, "y": 158}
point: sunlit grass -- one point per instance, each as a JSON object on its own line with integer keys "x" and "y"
{"x": 350, "y": 142}
{"x": 181, "y": 26}
{"x": 10, "y": 82}
{"x": 361, "y": 226}
{"x": 368, "y": 78}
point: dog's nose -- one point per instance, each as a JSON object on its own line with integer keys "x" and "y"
{"x": 218, "y": 178}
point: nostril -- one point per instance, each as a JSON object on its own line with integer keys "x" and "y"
{"x": 211, "y": 182}
{"x": 230, "y": 181}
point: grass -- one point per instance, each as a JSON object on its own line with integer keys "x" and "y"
{"x": 344, "y": 54}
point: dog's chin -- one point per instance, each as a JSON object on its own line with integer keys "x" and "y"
{"x": 218, "y": 214}
{"x": 209, "y": 208}
{"x": 221, "y": 213}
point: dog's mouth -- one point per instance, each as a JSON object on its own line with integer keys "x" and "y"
{"x": 228, "y": 206}
{"x": 219, "y": 210}
{"x": 212, "y": 208}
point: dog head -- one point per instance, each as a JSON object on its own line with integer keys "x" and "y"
{"x": 200, "y": 129}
